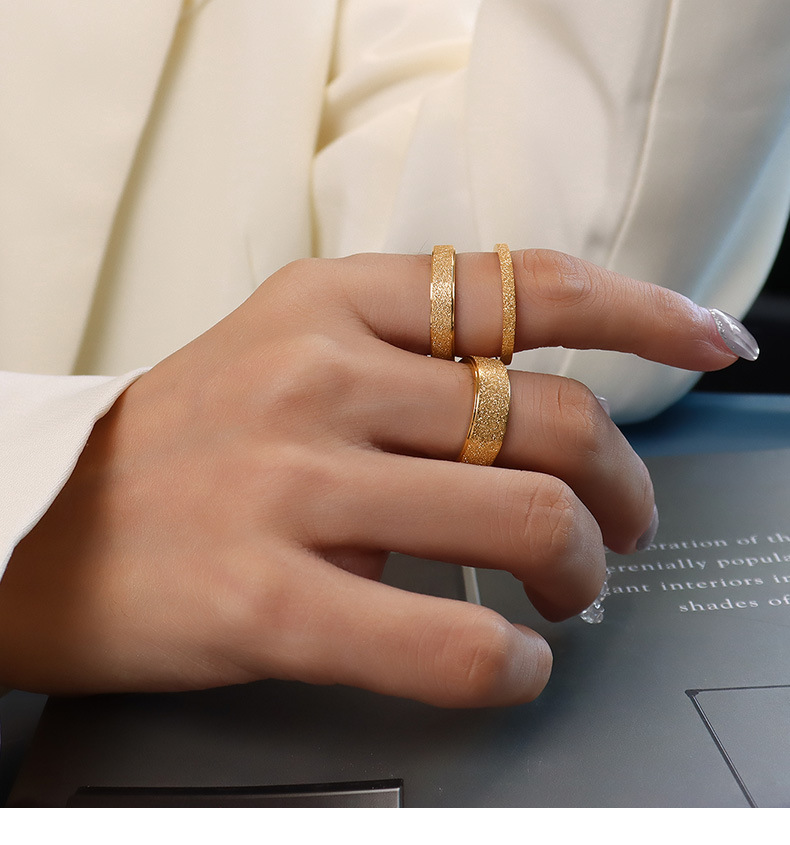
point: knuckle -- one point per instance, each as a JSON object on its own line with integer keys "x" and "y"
{"x": 310, "y": 288}
{"x": 538, "y": 522}
{"x": 313, "y": 372}
{"x": 559, "y": 279}
{"x": 297, "y": 281}
{"x": 298, "y": 474}
{"x": 579, "y": 421}
{"x": 511, "y": 530}
{"x": 296, "y": 488}
{"x": 323, "y": 359}
{"x": 480, "y": 659}
{"x": 238, "y": 609}
{"x": 666, "y": 307}
{"x": 551, "y": 524}
{"x": 300, "y": 268}
{"x": 301, "y": 272}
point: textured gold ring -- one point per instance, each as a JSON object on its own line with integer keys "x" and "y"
{"x": 443, "y": 302}
{"x": 508, "y": 302}
{"x": 490, "y": 411}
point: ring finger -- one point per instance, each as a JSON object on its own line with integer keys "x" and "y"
{"x": 555, "y": 426}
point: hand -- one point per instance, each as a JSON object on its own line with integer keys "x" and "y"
{"x": 231, "y": 514}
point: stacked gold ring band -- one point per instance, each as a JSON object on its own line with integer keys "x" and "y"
{"x": 490, "y": 412}
{"x": 508, "y": 302}
{"x": 443, "y": 303}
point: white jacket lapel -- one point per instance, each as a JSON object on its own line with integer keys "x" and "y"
{"x": 77, "y": 80}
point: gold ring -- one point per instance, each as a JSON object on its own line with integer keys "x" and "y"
{"x": 490, "y": 411}
{"x": 508, "y": 303}
{"x": 443, "y": 302}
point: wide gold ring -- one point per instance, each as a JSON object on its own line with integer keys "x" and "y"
{"x": 443, "y": 302}
{"x": 490, "y": 412}
{"x": 508, "y": 302}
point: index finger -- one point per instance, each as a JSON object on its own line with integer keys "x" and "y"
{"x": 560, "y": 301}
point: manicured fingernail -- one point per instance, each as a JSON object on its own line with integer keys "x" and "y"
{"x": 647, "y": 538}
{"x": 738, "y": 338}
{"x": 604, "y": 403}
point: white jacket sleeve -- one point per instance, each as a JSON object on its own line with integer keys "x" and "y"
{"x": 45, "y": 422}
{"x": 652, "y": 138}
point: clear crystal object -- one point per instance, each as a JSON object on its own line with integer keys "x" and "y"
{"x": 594, "y": 613}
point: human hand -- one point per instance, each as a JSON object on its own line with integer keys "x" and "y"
{"x": 230, "y": 516}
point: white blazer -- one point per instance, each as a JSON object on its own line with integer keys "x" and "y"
{"x": 159, "y": 159}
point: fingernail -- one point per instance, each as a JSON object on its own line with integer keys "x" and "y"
{"x": 738, "y": 338}
{"x": 604, "y": 403}
{"x": 647, "y": 538}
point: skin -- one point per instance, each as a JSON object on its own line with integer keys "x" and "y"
{"x": 231, "y": 514}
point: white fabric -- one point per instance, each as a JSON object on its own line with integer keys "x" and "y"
{"x": 45, "y": 422}
{"x": 158, "y": 160}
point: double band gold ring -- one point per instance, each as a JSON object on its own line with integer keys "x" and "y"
{"x": 443, "y": 302}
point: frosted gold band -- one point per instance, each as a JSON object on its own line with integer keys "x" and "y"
{"x": 490, "y": 411}
{"x": 508, "y": 303}
{"x": 443, "y": 303}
